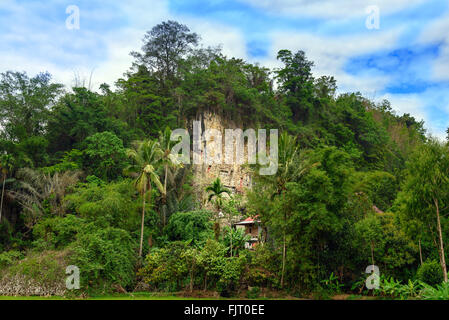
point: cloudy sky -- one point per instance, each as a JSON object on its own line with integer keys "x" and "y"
{"x": 405, "y": 60}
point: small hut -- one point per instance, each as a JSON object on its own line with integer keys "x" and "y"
{"x": 252, "y": 226}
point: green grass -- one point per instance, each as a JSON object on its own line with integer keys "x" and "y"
{"x": 127, "y": 296}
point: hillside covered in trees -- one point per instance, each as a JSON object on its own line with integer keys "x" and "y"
{"x": 87, "y": 180}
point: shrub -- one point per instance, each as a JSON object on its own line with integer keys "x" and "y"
{"x": 262, "y": 267}
{"x": 211, "y": 259}
{"x": 258, "y": 276}
{"x": 410, "y": 290}
{"x": 166, "y": 267}
{"x": 440, "y": 292}
{"x": 9, "y": 257}
{"x": 430, "y": 272}
{"x": 105, "y": 257}
{"x": 57, "y": 232}
{"x": 110, "y": 205}
{"x": 253, "y": 293}
{"x": 104, "y": 155}
{"x": 239, "y": 238}
{"x": 231, "y": 273}
{"x": 189, "y": 226}
{"x": 177, "y": 265}
{"x": 332, "y": 284}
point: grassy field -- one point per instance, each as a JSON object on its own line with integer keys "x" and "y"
{"x": 127, "y": 296}
{"x": 180, "y": 296}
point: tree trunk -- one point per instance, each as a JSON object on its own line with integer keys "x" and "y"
{"x": 3, "y": 193}
{"x": 143, "y": 222}
{"x": 283, "y": 260}
{"x": 284, "y": 245}
{"x": 420, "y": 251}
{"x": 435, "y": 243}
{"x": 440, "y": 235}
{"x": 165, "y": 195}
{"x": 231, "y": 239}
{"x": 217, "y": 224}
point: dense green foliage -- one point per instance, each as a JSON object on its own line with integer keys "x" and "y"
{"x": 430, "y": 272}
{"x": 89, "y": 174}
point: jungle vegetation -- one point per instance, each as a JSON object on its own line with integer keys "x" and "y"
{"x": 88, "y": 173}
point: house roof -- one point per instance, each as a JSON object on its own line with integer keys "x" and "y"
{"x": 377, "y": 210}
{"x": 249, "y": 220}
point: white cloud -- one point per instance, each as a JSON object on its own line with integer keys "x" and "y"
{"x": 407, "y": 103}
{"x": 436, "y": 33}
{"x": 422, "y": 107}
{"x": 122, "y": 41}
{"x": 36, "y": 43}
{"x": 330, "y": 53}
{"x": 342, "y": 9}
{"x": 213, "y": 34}
{"x": 68, "y": 53}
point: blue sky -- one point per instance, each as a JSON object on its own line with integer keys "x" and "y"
{"x": 406, "y": 60}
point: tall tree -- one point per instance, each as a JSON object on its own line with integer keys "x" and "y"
{"x": 40, "y": 193}
{"x": 165, "y": 46}
{"x": 168, "y": 162}
{"x": 427, "y": 186}
{"x": 290, "y": 168}
{"x": 146, "y": 157}
{"x": 78, "y": 115}
{"x": 216, "y": 191}
{"x": 296, "y": 82}
{"x": 6, "y": 167}
{"x": 25, "y": 104}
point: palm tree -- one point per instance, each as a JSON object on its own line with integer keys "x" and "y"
{"x": 167, "y": 159}
{"x": 146, "y": 156}
{"x": 6, "y": 166}
{"x": 36, "y": 188}
{"x": 216, "y": 191}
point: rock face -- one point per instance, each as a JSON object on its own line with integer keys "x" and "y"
{"x": 233, "y": 176}
{"x": 38, "y": 274}
{"x": 20, "y": 285}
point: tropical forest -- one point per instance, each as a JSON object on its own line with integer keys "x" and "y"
{"x": 358, "y": 206}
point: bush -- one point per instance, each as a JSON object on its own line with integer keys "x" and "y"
{"x": 56, "y": 232}
{"x": 211, "y": 259}
{"x": 231, "y": 273}
{"x": 332, "y": 284}
{"x": 111, "y": 205}
{"x": 253, "y": 293}
{"x": 9, "y": 257}
{"x": 262, "y": 267}
{"x": 441, "y": 292}
{"x": 430, "y": 272}
{"x": 239, "y": 238}
{"x": 105, "y": 257}
{"x": 189, "y": 226}
{"x": 166, "y": 268}
{"x": 104, "y": 155}
{"x": 177, "y": 265}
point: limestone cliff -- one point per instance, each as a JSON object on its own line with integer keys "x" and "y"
{"x": 234, "y": 176}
